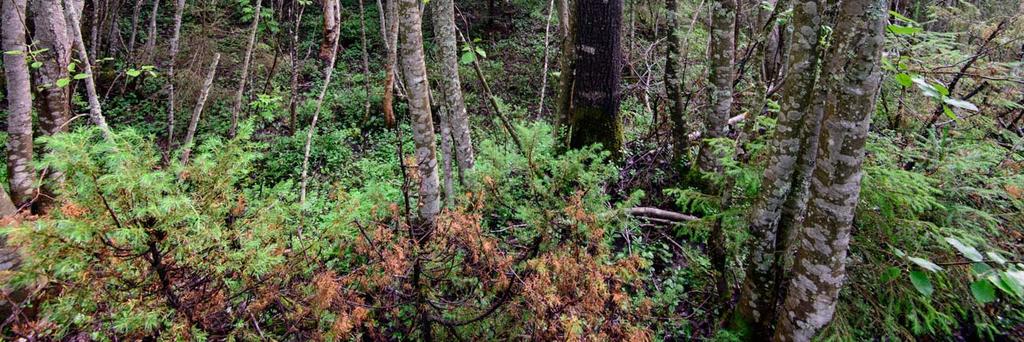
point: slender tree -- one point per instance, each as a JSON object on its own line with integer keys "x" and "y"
{"x": 151, "y": 35}
{"x": 293, "y": 54}
{"x": 328, "y": 73}
{"x": 179, "y": 10}
{"x": 73, "y": 18}
{"x": 852, "y": 75}
{"x": 784, "y": 181}
{"x": 596, "y": 94}
{"x": 240, "y": 94}
{"x": 200, "y": 103}
{"x": 415, "y": 70}
{"x": 21, "y": 174}
{"x": 136, "y": 12}
{"x": 443, "y": 13}
{"x": 332, "y": 26}
{"x": 673, "y": 81}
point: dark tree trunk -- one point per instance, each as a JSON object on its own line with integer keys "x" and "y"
{"x": 594, "y": 106}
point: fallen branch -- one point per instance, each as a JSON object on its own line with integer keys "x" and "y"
{"x": 660, "y": 215}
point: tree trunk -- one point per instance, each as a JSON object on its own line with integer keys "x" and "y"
{"x": 194, "y": 124}
{"x": 673, "y": 82}
{"x": 179, "y": 10}
{"x": 391, "y": 43}
{"x": 328, "y": 73}
{"x": 240, "y": 94}
{"x": 75, "y": 33}
{"x": 293, "y": 54}
{"x": 136, "y": 11}
{"x": 21, "y": 174}
{"x": 332, "y": 24}
{"x": 795, "y": 134}
{"x": 415, "y": 70}
{"x": 594, "y": 106}
{"x": 151, "y": 37}
{"x": 721, "y": 72}
{"x": 852, "y": 76}
{"x": 443, "y": 14}
{"x": 566, "y": 68}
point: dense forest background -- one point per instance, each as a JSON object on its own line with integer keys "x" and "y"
{"x": 512, "y": 170}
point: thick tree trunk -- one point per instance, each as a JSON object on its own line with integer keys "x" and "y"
{"x": 54, "y": 108}
{"x": 240, "y": 94}
{"x": 200, "y": 103}
{"x": 673, "y": 82}
{"x": 415, "y": 70}
{"x": 21, "y": 174}
{"x": 151, "y": 36}
{"x": 721, "y": 72}
{"x": 796, "y": 133}
{"x": 332, "y": 27}
{"x": 75, "y": 34}
{"x": 596, "y": 94}
{"x": 443, "y": 12}
{"x": 852, "y": 75}
{"x": 179, "y": 10}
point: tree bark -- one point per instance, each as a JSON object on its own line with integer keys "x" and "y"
{"x": 179, "y": 10}
{"x": 391, "y": 44}
{"x": 240, "y": 94}
{"x": 75, "y": 33}
{"x": 151, "y": 37}
{"x": 293, "y": 53}
{"x": 673, "y": 82}
{"x": 795, "y": 135}
{"x": 852, "y": 76}
{"x": 566, "y": 68}
{"x": 721, "y": 72}
{"x": 443, "y": 14}
{"x": 332, "y": 25}
{"x": 415, "y": 70}
{"x": 194, "y": 123}
{"x": 136, "y": 11}
{"x": 21, "y": 174}
{"x": 596, "y": 94}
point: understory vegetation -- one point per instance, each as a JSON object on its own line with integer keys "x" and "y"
{"x": 148, "y": 237}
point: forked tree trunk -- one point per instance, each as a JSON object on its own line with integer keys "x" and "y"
{"x": 415, "y": 70}
{"x": 443, "y": 13}
{"x": 852, "y": 75}
{"x": 721, "y": 72}
{"x": 596, "y": 94}
{"x": 795, "y": 135}
{"x": 240, "y": 94}
{"x": 21, "y": 174}
{"x": 200, "y": 103}
{"x": 75, "y": 32}
{"x": 179, "y": 10}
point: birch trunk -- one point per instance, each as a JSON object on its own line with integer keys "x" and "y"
{"x": 21, "y": 174}
{"x": 852, "y": 76}
{"x": 328, "y": 73}
{"x": 443, "y": 13}
{"x": 595, "y": 90}
{"x": 721, "y": 72}
{"x": 194, "y": 123}
{"x": 795, "y": 134}
{"x": 415, "y": 70}
{"x": 179, "y": 10}
{"x": 240, "y": 94}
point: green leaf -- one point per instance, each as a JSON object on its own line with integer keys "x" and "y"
{"x": 481, "y": 52}
{"x": 901, "y": 17}
{"x": 1007, "y": 283}
{"x": 960, "y": 104}
{"x": 983, "y": 291}
{"x": 980, "y": 268}
{"x": 949, "y": 113}
{"x": 903, "y": 30}
{"x": 925, "y": 264}
{"x": 71, "y": 67}
{"x": 81, "y": 76}
{"x": 967, "y": 251}
{"x": 927, "y": 88}
{"x": 133, "y": 73}
{"x": 63, "y": 82}
{"x": 903, "y": 79}
{"x": 14, "y": 52}
{"x": 36, "y": 65}
{"x": 890, "y": 274}
{"x": 467, "y": 58}
{"x": 921, "y": 283}
{"x": 996, "y": 257}
{"x": 941, "y": 88}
